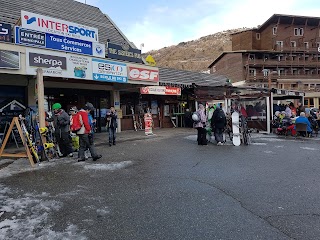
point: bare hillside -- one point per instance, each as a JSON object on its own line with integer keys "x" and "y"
{"x": 195, "y": 55}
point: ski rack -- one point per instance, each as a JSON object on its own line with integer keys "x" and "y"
{"x": 27, "y": 153}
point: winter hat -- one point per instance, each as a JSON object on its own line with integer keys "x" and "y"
{"x": 56, "y": 106}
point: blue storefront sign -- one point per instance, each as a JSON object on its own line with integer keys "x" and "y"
{"x": 108, "y": 71}
{"x": 124, "y": 52}
{"x": 5, "y": 32}
{"x": 56, "y": 42}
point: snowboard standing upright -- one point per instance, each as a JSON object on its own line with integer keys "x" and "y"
{"x": 236, "y": 140}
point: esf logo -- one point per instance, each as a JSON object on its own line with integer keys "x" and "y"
{"x": 57, "y": 26}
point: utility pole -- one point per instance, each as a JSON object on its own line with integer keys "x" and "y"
{"x": 40, "y": 93}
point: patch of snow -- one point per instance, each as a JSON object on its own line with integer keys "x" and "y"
{"x": 308, "y": 148}
{"x": 268, "y": 152}
{"x": 259, "y": 144}
{"x": 26, "y": 217}
{"x": 110, "y": 166}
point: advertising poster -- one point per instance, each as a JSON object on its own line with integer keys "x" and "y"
{"x": 79, "y": 66}
{"x": 148, "y": 123}
{"x": 108, "y": 71}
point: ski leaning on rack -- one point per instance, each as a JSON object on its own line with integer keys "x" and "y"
{"x": 29, "y": 141}
{"x": 134, "y": 119}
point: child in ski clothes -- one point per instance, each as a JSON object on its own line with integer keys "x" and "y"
{"x": 200, "y": 126}
{"x": 83, "y": 134}
{"x": 61, "y": 121}
{"x": 218, "y": 123}
{"x": 111, "y": 119}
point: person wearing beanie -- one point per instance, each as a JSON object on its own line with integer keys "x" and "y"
{"x": 61, "y": 122}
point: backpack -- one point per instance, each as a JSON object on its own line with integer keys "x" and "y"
{"x": 196, "y": 117}
{"x": 219, "y": 117}
{"x": 76, "y": 123}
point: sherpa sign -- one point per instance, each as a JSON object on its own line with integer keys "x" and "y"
{"x": 53, "y": 64}
{"x": 47, "y": 61}
{"x": 59, "y": 27}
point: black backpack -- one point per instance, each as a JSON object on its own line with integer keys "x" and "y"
{"x": 219, "y": 116}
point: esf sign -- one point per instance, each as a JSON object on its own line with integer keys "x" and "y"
{"x": 55, "y": 42}
{"x": 109, "y": 71}
{"x": 59, "y": 27}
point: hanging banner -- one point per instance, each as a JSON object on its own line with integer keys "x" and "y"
{"x": 33, "y": 38}
{"x": 59, "y": 27}
{"x": 108, "y": 71}
{"x": 148, "y": 123}
{"x": 161, "y": 90}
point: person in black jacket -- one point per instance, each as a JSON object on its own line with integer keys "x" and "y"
{"x": 112, "y": 125}
{"x": 61, "y": 121}
{"x": 218, "y": 123}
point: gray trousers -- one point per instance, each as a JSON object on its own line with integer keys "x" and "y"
{"x": 84, "y": 145}
{"x": 218, "y": 134}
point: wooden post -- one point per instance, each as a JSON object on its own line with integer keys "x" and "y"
{"x": 40, "y": 91}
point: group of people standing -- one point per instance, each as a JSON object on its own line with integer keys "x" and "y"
{"x": 81, "y": 123}
{"x": 217, "y": 122}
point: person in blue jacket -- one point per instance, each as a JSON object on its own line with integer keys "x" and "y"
{"x": 303, "y": 119}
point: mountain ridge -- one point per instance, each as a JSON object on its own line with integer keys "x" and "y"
{"x": 195, "y": 55}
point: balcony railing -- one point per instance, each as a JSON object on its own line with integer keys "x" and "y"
{"x": 293, "y": 63}
{"x": 274, "y": 77}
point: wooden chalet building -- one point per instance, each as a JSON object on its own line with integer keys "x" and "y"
{"x": 284, "y": 52}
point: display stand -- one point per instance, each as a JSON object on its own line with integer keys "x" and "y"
{"x": 27, "y": 154}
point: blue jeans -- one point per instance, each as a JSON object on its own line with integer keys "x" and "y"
{"x": 112, "y": 135}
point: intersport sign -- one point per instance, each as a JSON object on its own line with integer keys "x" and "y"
{"x": 59, "y": 27}
{"x": 143, "y": 74}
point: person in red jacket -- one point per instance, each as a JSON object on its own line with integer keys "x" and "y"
{"x": 83, "y": 134}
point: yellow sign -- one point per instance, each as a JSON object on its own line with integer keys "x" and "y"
{"x": 150, "y": 60}
{"x": 119, "y": 113}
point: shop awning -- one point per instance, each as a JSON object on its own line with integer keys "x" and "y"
{"x": 182, "y": 78}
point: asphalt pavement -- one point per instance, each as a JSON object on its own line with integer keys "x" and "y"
{"x": 167, "y": 187}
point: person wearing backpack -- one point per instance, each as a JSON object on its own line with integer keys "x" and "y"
{"x": 61, "y": 122}
{"x": 218, "y": 123}
{"x": 84, "y": 132}
{"x": 200, "y": 125}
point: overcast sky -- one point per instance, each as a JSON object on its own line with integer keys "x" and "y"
{"x": 163, "y": 23}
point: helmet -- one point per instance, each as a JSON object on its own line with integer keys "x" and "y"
{"x": 73, "y": 109}
{"x": 195, "y": 117}
{"x": 56, "y": 106}
{"x": 89, "y": 106}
